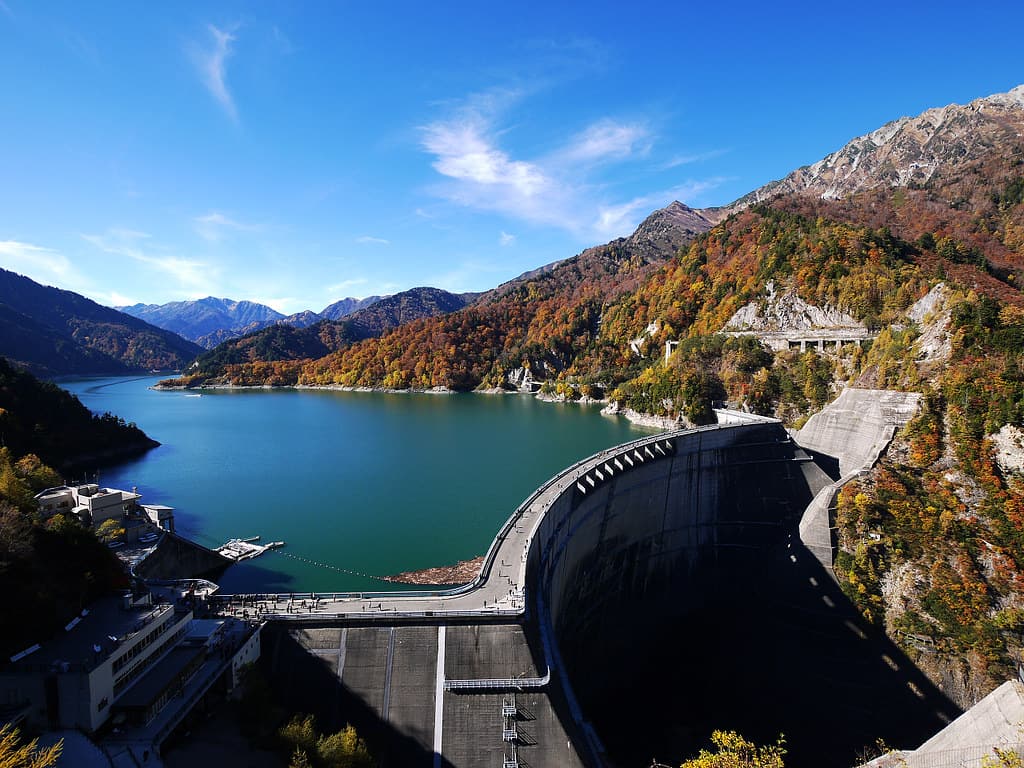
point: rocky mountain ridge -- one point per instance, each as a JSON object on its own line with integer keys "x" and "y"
{"x": 670, "y": 228}
{"x": 212, "y": 321}
{"x": 903, "y": 152}
{"x": 286, "y": 341}
{"x": 345, "y": 307}
{"x": 657, "y": 239}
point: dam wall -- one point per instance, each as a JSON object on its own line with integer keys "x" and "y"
{"x": 663, "y": 590}
{"x": 663, "y": 536}
{"x": 674, "y": 596}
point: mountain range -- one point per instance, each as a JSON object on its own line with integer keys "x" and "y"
{"x": 942, "y": 147}
{"x": 212, "y": 321}
{"x": 286, "y": 341}
{"x": 908, "y": 152}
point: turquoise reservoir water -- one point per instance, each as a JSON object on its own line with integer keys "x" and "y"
{"x": 370, "y": 483}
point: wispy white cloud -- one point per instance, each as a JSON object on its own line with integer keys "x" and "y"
{"x": 373, "y": 240}
{"x": 111, "y": 298}
{"x": 36, "y": 261}
{"x": 214, "y": 225}
{"x": 344, "y": 285}
{"x": 48, "y": 266}
{"x": 505, "y": 239}
{"x": 698, "y": 157}
{"x": 6, "y": 9}
{"x": 286, "y": 305}
{"x": 482, "y": 175}
{"x": 211, "y": 63}
{"x": 563, "y": 187}
{"x": 193, "y": 277}
{"x": 464, "y": 151}
{"x": 608, "y": 140}
{"x": 282, "y": 40}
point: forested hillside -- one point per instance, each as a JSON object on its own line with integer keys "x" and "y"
{"x": 280, "y": 344}
{"x": 54, "y": 332}
{"x": 49, "y": 569}
{"x": 41, "y": 418}
{"x": 539, "y": 320}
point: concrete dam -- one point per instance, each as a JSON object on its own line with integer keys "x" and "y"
{"x": 640, "y": 599}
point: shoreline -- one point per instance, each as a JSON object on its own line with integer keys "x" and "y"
{"x": 542, "y": 396}
{"x": 637, "y": 419}
{"x": 463, "y": 572}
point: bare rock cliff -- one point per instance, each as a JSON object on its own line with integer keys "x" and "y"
{"x": 788, "y": 313}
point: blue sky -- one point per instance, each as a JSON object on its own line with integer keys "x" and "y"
{"x": 298, "y": 153}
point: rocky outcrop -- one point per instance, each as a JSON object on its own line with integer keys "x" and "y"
{"x": 932, "y": 316}
{"x": 637, "y": 345}
{"x": 1009, "y": 449}
{"x": 522, "y": 379}
{"x": 786, "y": 312}
{"x": 666, "y": 423}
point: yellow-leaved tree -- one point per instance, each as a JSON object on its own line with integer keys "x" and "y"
{"x": 734, "y": 751}
{"x": 14, "y": 754}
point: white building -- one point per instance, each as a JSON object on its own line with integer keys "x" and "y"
{"x": 140, "y": 661}
{"x": 89, "y": 502}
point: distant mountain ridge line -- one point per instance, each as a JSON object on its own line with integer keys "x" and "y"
{"x": 282, "y": 342}
{"x": 211, "y": 320}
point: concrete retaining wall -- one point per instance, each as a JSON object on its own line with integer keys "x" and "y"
{"x": 178, "y": 558}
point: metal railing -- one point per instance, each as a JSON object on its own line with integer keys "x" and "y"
{"x": 566, "y": 477}
{"x": 499, "y": 683}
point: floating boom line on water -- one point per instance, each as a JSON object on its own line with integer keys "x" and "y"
{"x": 326, "y": 566}
{"x": 337, "y": 568}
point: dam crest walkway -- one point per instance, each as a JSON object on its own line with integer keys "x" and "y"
{"x": 499, "y": 592}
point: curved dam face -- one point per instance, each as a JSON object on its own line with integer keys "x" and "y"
{"x": 674, "y": 598}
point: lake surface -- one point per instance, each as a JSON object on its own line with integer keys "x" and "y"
{"x": 359, "y": 484}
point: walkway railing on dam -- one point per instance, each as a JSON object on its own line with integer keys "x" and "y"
{"x": 573, "y": 473}
{"x": 499, "y": 684}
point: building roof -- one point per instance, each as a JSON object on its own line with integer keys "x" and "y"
{"x": 92, "y": 637}
{"x": 148, "y": 688}
{"x": 203, "y": 629}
